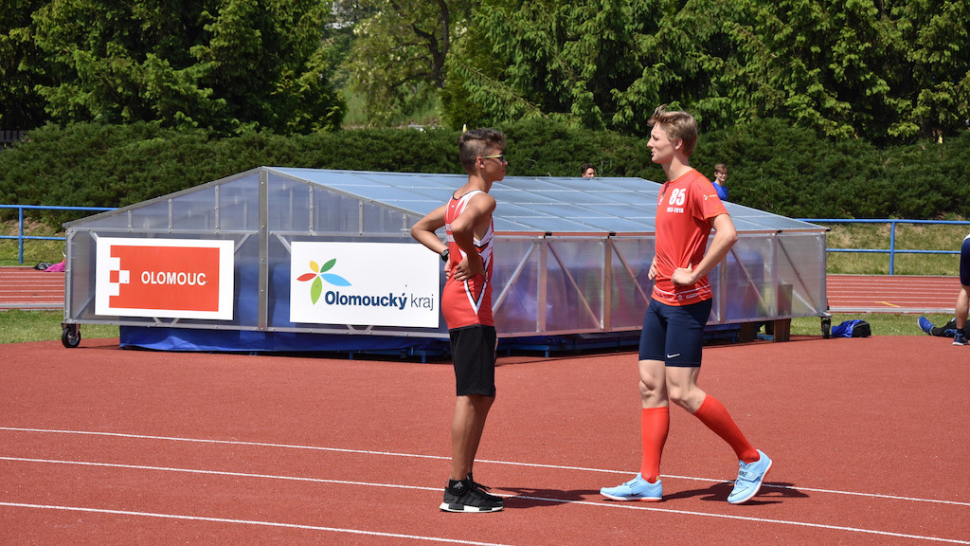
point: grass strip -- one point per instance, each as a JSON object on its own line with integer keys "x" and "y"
{"x": 19, "y": 326}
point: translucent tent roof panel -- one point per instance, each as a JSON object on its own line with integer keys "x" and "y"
{"x": 526, "y": 204}
{"x": 531, "y": 204}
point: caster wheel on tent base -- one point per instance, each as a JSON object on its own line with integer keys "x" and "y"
{"x": 71, "y": 335}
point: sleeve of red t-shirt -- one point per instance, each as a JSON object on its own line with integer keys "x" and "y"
{"x": 707, "y": 203}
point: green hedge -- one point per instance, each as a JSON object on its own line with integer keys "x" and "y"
{"x": 772, "y": 167}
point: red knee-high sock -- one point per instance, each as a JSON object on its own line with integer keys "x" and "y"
{"x": 654, "y": 425}
{"x": 717, "y": 418}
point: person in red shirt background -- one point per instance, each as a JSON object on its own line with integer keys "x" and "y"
{"x": 672, "y": 336}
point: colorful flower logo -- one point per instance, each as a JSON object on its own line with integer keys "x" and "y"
{"x": 321, "y": 273}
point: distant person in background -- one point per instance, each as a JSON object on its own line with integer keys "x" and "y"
{"x": 720, "y": 181}
{"x": 588, "y": 170}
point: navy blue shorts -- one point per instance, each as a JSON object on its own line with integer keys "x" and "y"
{"x": 674, "y": 333}
{"x": 965, "y": 262}
{"x": 473, "y": 355}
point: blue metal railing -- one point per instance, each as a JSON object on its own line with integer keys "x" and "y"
{"x": 892, "y": 250}
{"x": 20, "y": 237}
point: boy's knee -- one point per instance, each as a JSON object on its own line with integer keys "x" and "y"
{"x": 650, "y": 389}
{"x": 685, "y": 397}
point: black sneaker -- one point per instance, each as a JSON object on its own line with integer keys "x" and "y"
{"x": 947, "y": 330}
{"x": 483, "y": 490}
{"x": 463, "y": 497}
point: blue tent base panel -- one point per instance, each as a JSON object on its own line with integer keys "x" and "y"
{"x": 254, "y": 342}
{"x": 249, "y": 341}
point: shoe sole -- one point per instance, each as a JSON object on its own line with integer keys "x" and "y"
{"x": 756, "y": 488}
{"x": 623, "y": 499}
{"x": 462, "y": 509}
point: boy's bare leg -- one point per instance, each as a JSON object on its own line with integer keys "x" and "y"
{"x": 962, "y": 306}
{"x": 466, "y": 432}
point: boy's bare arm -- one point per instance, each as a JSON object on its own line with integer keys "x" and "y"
{"x": 424, "y": 230}
{"x": 725, "y": 236}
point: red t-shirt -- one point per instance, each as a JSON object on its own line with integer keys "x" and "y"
{"x": 684, "y": 209}
{"x": 466, "y": 303}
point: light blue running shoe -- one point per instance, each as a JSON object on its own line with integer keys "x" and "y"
{"x": 750, "y": 476}
{"x": 637, "y": 489}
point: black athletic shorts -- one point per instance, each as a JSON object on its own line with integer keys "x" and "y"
{"x": 473, "y": 354}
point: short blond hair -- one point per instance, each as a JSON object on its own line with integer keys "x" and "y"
{"x": 678, "y": 125}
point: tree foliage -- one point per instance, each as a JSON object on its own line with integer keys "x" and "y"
{"x": 876, "y": 70}
{"x": 882, "y": 71}
{"x": 229, "y": 65}
{"x": 21, "y": 107}
{"x": 549, "y": 58}
{"x": 398, "y": 57}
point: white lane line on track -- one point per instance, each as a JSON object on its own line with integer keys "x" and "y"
{"x": 249, "y": 522}
{"x": 550, "y": 500}
{"x": 443, "y": 458}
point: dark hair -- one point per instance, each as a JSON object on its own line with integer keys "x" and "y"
{"x": 584, "y": 166}
{"x": 474, "y": 143}
{"x": 678, "y": 125}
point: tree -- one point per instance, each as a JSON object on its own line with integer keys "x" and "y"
{"x": 526, "y": 59}
{"x": 21, "y": 107}
{"x": 592, "y": 63}
{"x": 874, "y": 69}
{"x": 398, "y": 58}
{"x": 228, "y": 65}
{"x": 938, "y": 102}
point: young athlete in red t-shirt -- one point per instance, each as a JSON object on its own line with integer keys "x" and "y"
{"x": 466, "y": 303}
{"x": 672, "y": 335}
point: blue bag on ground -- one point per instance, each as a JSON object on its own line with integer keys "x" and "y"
{"x": 852, "y": 328}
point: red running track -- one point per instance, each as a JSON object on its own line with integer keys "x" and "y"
{"x": 27, "y": 288}
{"x": 891, "y": 293}
{"x": 100, "y": 445}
